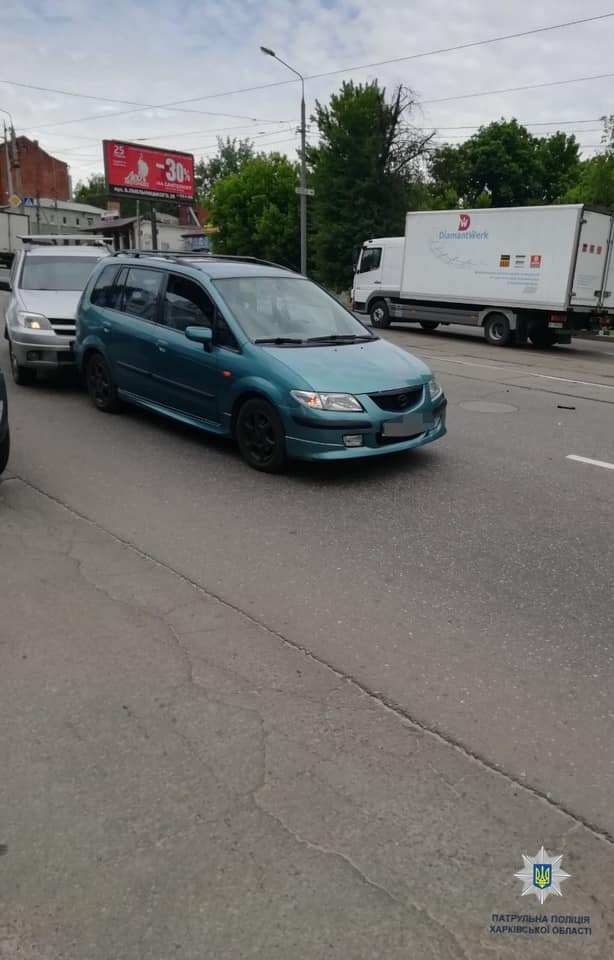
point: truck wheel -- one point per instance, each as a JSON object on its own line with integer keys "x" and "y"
{"x": 542, "y": 337}
{"x": 497, "y": 330}
{"x": 429, "y": 324}
{"x": 379, "y": 314}
{"x": 23, "y": 376}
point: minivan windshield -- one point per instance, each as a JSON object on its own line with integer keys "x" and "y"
{"x": 288, "y": 311}
{"x": 56, "y": 273}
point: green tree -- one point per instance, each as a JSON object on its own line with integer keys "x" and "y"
{"x": 558, "y": 158}
{"x": 595, "y": 183}
{"x": 256, "y": 211}
{"x": 231, "y": 155}
{"x": 504, "y": 165}
{"x": 93, "y": 191}
{"x": 362, "y": 172}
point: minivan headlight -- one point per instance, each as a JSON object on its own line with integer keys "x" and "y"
{"x": 33, "y": 321}
{"x": 342, "y": 402}
{"x": 435, "y": 389}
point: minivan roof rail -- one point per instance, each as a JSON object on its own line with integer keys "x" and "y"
{"x": 179, "y": 255}
{"x": 65, "y": 240}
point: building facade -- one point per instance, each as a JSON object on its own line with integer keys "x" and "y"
{"x": 34, "y": 172}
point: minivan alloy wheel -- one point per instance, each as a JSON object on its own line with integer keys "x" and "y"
{"x": 260, "y": 435}
{"x": 100, "y": 386}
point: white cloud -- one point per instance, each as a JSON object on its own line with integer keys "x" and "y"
{"x": 155, "y": 51}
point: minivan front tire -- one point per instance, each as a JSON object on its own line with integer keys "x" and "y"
{"x": 260, "y": 435}
{"x": 100, "y": 385}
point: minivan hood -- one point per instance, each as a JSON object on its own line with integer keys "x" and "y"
{"x": 58, "y": 304}
{"x": 353, "y": 368}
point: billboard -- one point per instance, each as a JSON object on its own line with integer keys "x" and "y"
{"x": 134, "y": 170}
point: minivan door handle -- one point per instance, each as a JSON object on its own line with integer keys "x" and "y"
{"x": 106, "y": 328}
{"x": 161, "y": 345}
{"x": 376, "y": 281}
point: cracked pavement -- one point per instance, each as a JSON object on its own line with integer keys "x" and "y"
{"x": 180, "y": 780}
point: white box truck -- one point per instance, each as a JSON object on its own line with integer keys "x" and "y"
{"x": 12, "y": 226}
{"x": 540, "y": 273}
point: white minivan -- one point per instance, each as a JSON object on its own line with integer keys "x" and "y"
{"x": 46, "y": 280}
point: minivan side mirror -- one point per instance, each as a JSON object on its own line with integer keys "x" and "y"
{"x": 202, "y": 335}
{"x": 5, "y": 285}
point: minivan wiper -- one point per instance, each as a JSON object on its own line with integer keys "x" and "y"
{"x": 279, "y": 340}
{"x": 342, "y": 338}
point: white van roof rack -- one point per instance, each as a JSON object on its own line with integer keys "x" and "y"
{"x": 66, "y": 240}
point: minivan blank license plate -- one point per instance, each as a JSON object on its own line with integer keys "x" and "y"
{"x": 408, "y": 426}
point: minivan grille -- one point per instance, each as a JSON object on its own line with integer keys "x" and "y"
{"x": 394, "y": 400}
{"x": 63, "y": 327}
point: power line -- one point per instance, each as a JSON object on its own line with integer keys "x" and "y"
{"x": 135, "y": 103}
{"x": 414, "y": 56}
{"x": 523, "y": 123}
{"x": 177, "y": 104}
{"x": 529, "y": 86}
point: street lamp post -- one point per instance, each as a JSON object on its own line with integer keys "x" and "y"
{"x": 303, "y": 187}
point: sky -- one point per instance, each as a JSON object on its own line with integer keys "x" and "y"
{"x": 151, "y": 53}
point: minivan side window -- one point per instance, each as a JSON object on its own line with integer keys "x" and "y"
{"x": 371, "y": 259}
{"x": 186, "y": 304}
{"x": 104, "y": 293}
{"x": 141, "y": 293}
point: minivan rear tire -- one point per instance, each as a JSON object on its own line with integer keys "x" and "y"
{"x": 100, "y": 384}
{"x": 260, "y": 435}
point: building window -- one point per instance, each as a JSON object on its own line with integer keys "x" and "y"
{"x": 77, "y": 221}
{"x": 63, "y": 219}
{"x": 90, "y": 221}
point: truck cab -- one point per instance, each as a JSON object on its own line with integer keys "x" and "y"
{"x": 377, "y": 275}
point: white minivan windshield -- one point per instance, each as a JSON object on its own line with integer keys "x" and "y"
{"x": 56, "y": 273}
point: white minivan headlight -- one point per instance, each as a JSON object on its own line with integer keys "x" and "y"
{"x": 341, "y": 402}
{"x": 33, "y": 321}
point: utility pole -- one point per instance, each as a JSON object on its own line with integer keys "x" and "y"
{"x": 138, "y": 224}
{"x": 154, "y": 228}
{"x": 16, "y": 163}
{"x": 7, "y": 156}
{"x": 303, "y": 197}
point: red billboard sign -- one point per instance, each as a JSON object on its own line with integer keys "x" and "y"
{"x": 133, "y": 170}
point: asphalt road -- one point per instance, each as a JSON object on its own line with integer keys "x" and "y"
{"x": 467, "y": 585}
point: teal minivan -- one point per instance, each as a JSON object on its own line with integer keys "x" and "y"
{"x": 249, "y": 350}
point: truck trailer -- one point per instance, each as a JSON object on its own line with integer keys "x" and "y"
{"x": 537, "y": 273}
{"x": 12, "y": 226}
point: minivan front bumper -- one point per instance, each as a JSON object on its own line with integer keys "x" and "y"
{"x": 321, "y": 437}
{"x": 46, "y": 351}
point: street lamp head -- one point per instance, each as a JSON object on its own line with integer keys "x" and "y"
{"x": 269, "y": 53}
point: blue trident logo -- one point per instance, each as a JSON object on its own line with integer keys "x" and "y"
{"x": 542, "y": 875}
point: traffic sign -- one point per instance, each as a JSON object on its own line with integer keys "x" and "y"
{"x": 307, "y": 191}
{"x": 14, "y": 200}
{"x": 28, "y": 201}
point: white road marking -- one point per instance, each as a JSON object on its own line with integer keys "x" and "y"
{"x": 593, "y": 463}
{"x": 519, "y": 373}
{"x": 583, "y": 383}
